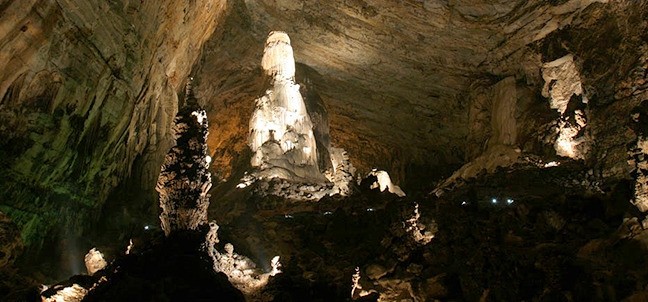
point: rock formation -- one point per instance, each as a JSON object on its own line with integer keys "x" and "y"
{"x": 286, "y": 144}
{"x": 542, "y": 103}
{"x": 185, "y": 180}
{"x": 87, "y": 100}
{"x": 564, "y": 89}
{"x": 281, "y": 132}
{"x": 94, "y": 261}
{"x": 183, "y": 185}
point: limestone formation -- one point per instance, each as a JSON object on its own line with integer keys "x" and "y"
{"x": 482, "y": 102}
{"x": 185, "y": 180}
{"x": 500, "y": 138}
{"x": 241, "y": 271}
{"x": 94, "y": 261}
{"x": 383, "y": 182}
{"x": 564, "y": 90}
{"x": 88, "y": 92}
{"x": 281, "y": 132}
{"x": 282, "y": 135}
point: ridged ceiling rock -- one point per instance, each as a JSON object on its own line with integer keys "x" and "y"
{"x": 395, "y": 76}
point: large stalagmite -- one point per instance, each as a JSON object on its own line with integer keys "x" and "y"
{"x": 287, "y": 145}
{"x": 185, "y": 179}
{"x": 281, "y": 131}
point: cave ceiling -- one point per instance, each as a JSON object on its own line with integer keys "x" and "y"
{"x": 394, "y": 75}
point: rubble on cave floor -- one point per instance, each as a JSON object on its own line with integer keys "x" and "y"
{"x": 548, "y": 244}
{"x": 527, "y": 232}
{"x": 174, "y": 268}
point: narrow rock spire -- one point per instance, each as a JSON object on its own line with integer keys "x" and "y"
{"x": 185, "y": 180}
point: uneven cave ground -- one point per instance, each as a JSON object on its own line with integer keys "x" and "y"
{"x": 566, "y": 236}
{"x": 159, "y": 268}
{"x": 563, "y": 237}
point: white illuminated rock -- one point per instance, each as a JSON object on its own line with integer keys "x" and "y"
{"x": 94, "y": 261}
{"x": 241, "y": 271}
{"x": 278, "y": 61}
{"x": 551, "y": 164}
{"x": 417, "y": 230}
{"x": 130, "y": 246}
{"x": 640, "y": 165}
{"x": 74, "y": 293}
{"x": 562, "y": 84}
{"x": 384, "y": 183}
{"x": 355, "y": 281}
{"x": 275, "y": 264}
{"x": 286, "y": 145}
{"x": 281, "y": 132}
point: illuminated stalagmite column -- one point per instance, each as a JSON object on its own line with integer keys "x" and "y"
{"x": 565, "y": 92}
{"x": 281, "y": 131}
{"x": 185, "y": 179}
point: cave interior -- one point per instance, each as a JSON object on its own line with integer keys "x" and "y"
{"x": 357, "y": 150}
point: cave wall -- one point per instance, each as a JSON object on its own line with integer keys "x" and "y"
{"x": 87, "y": 90}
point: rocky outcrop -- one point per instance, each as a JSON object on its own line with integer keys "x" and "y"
{"x": 174, "y": 268}
{"x": 494, "y": 125}
{"x": 564, "y": 90}
{"x": 185, "y": 180}
{"x": 87, "y": 90}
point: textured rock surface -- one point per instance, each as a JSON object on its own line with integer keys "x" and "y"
{"x": 415, "y": 88}
{"x": 10, "y": 242}
{"x": 554, "y": 241}
{"x": 395, "y": 76}
{"x": 184, "y": 180}
{"x": 281, "y": 130}
{"x": 87, "y": 92}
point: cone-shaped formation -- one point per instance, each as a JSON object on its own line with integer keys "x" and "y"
{"x": 185, "y": 179}
{"x": 281, "y": 131}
